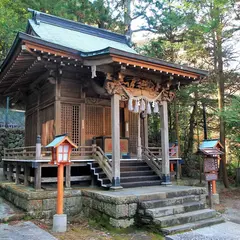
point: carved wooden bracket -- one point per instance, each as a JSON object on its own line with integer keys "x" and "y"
{"x": 137, "y": 88}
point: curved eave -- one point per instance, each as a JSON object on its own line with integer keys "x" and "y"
{"x": 34, "y": 41}
{"x": 141, "y": 61}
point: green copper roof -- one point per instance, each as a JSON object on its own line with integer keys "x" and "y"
{"x": 75, "y": 39}
{"x": 209, "y": 143}
{"x": 56, "y": 141}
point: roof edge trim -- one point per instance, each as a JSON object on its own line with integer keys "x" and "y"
{"x": 39, "y": 17}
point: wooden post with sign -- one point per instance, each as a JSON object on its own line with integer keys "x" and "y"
{"x": 211, "y": 170}
{"x": 61, "y": 151}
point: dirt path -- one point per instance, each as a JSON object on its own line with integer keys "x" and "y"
{"x": 81, "y": 229}
{"x": 230, "y": 204}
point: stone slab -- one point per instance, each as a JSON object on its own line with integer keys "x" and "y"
{"x": 23, "y": 231}
{"x": 223, "y": 231}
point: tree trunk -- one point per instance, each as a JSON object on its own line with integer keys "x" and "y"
{"x": 220, "y": 78}
{"x": 177, "y": 126}
{"x": 127, "y": 18}
{"x": 189, "y": 148}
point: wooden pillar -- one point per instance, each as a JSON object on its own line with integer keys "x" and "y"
{"x": 26, "y": 174}
{"x": 139, "y": 143}
{"x": 115, "y": 141}
{"x": 60, "y": 190}
{"x": 57, "y": 106}
{"x": 37, "y": 166}
{"x": 18, "y": 170}
{"x": 5, "y": 165}
{"x": 165, "y": 144}
{"x": 145, "y": 123}
{"x": 68, "y": 177}
{"x": 10, "y": 173}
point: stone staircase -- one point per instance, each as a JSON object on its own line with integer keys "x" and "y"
{"x": 134, "y": 173}
{"x": 180, "y": 211}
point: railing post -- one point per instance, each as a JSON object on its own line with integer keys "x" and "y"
{"x": 37, "y": 165}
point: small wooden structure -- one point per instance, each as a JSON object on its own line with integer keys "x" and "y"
{"x": 70, "y": 84}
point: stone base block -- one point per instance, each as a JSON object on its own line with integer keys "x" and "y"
{"x": 121, "y": 223}
{"x": 59, "y": 223}
{"x": 215, "y": 198}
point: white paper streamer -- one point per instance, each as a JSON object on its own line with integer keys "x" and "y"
{"x": 130, "y": 104}
{"x": 136, "y": 107}
{"x": 156, "y": 108}
{"x": 142, "y": 105}
{"x": 149, "y": 110}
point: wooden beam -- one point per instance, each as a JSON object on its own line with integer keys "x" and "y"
{"x": 39, "y": 47}
{"x": 153, "y": 66}
{"x": 142, "y": 74}
{"x": 97, "y": 62}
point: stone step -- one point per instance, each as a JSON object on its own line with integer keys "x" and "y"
{"x": 169, "y": 201}
{"x": 171, "y": 210}
{"x": 141, "y": 184}
{"x": 193, "y": 191}
{"x": 139, "y": 178}
{"x": 184, "y": 218}
{"x": 193, "y": 225}
{"x": 135, "y": 168}
{"x": 137, "y": 173}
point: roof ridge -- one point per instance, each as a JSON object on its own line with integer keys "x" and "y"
{"x": 39, "y": 17}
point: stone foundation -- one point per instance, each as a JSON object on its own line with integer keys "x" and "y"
{"x": 40, "y": 204}
{"x": 120, "y": 209}
{"x": 120, "y": 212}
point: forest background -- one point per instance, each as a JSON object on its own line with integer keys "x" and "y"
{"x": 199, "y": 33}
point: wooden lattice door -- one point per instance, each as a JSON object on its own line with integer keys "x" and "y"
{"x": 70, "y": 122}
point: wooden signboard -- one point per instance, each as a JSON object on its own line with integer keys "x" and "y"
{"x": 211, "y": 176}
{"x": 210, "y": 164}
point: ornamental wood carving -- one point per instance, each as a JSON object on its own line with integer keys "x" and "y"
{"x": 137, "y": 87}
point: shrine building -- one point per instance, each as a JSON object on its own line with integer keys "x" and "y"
{"x": 90, "y": 84}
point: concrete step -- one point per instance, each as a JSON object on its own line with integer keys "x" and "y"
{"x": 134, "y": 168}
{"x": 192, "y": 225}
{"x": 184, "y": 218}
{"x": 169, "y": 201}
{"x": 139, "y": 178}
{"x": 137, "y": 173}
{"x": 171, "y": 210}
{"x": 133, "y": 163}
{"x": 141, "y": 184}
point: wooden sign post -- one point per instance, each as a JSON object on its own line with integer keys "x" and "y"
{"x": 211, "y": 175}
{"x": 61, "y": 151}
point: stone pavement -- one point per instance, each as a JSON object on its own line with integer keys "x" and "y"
{"x": 23, "y": 231}
{"x": 5, "y": 210}
{"x": 223, "y": 231}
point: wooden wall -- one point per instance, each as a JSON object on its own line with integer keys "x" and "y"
{"x": 40, "y": 114}
{"x": 70, "y": 107}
